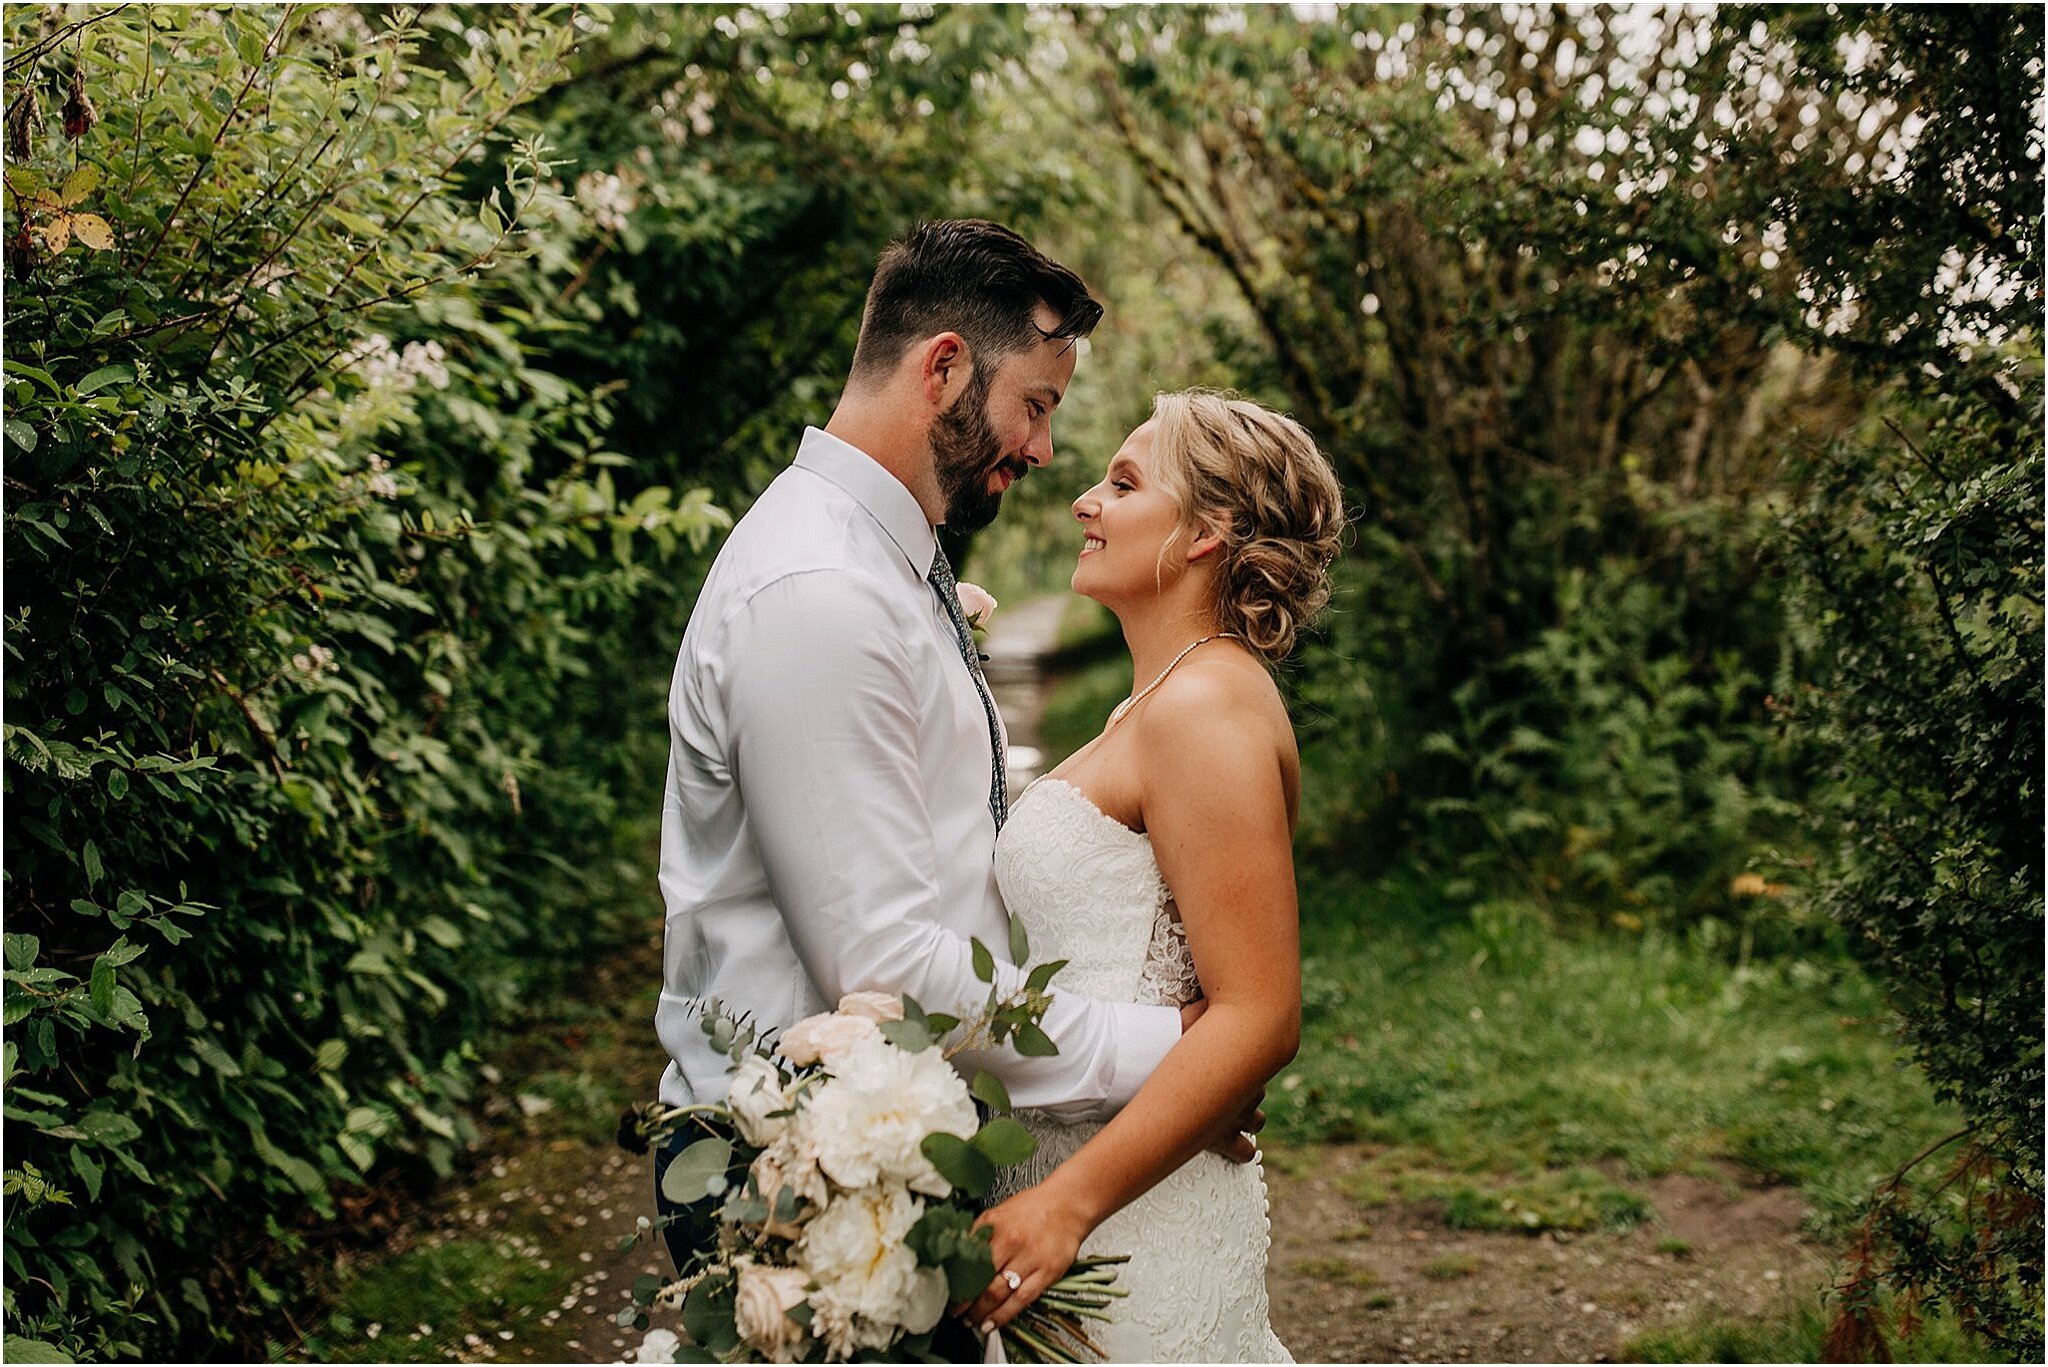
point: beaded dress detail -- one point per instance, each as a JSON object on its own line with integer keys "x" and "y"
{"x": 1089, "y": 891}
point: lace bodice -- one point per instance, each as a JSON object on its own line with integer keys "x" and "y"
{"x": 1089, "y": 891}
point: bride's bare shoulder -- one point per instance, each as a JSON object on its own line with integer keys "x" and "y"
{"x": 1224, "y": 706}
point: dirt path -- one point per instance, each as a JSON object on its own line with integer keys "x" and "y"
{"x": 1349, "y": 1284}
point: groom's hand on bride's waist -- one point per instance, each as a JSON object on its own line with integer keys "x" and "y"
{"x": 1234, "y": 1143}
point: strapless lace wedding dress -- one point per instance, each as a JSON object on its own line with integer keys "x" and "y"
{"x": 1089, "y": 891}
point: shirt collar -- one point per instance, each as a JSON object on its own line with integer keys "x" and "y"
{"x": 876, "y": 490}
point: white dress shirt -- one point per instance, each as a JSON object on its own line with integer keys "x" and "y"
{"x": 826, "y": 825}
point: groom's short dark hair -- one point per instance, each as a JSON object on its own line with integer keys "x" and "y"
{"x": 973, "y": 277}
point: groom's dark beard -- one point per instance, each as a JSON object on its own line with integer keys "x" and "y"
{"x": 965, "y": 453}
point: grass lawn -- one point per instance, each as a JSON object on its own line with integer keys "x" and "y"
{"x": 1516, "y": 1074}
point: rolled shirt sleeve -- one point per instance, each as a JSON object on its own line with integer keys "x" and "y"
{"x": 821, "y": 695}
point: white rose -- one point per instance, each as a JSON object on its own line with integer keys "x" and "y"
{"x": 765, "y": 1296}
{"x": 755, "y": 1097}
{"x": 659, "y": 1346}
{"x": 977, "y": 604}
{"x": 867, "y": 1122}
{"x": 788, "y": 1163}
{"x": 876, "y": 1006}
{"x": 818, "y": 1039}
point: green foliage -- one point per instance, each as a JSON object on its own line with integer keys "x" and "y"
{"x": 1613, "y": 785}
{"x": 298, "y": 628}
{"x": 1926, "y": 610}
{"x": 1918, "y": 561}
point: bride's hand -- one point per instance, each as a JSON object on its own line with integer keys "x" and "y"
{"x": 1035, "y": 1237}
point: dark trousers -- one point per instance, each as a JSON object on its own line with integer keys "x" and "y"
{"x": 688, "y": 1230}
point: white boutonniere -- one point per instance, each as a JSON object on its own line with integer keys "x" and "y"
{"x": 977, "y": 605}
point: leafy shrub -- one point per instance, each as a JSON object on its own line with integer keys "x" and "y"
{"x": 1926, "y": 606}
{"x": 305, "y": 755}
{"x": 1616, "y": 777}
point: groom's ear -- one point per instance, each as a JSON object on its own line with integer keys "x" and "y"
{"x": 945, "y": 368}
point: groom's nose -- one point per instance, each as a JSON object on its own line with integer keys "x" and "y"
{"x": 1038, "y": 450}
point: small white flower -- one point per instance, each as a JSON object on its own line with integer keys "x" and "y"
{"x": 755, "y": 1097}
{"x": 659, "y": 1346}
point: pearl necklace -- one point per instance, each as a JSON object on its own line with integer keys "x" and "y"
{"x": 1128, "y": 703}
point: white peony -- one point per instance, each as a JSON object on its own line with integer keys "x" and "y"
{"x": 755, "y": 1097}
{"x": 869, "y": 1283}
{"x": 659, "y": 1346}
{"x": 764, "y": 1298}
{"x": 876, "y": 1006}
{"x": 821, "y": 1038}
{"x": 866, "y": 1123}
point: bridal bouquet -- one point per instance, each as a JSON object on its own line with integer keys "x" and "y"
{"x": 842, "y": 1175}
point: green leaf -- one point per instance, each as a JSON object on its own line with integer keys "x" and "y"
{"x": 108, "y": 1127}
{"x": 79, "y": 184}
{"x": 19, "y": 1349}
{"x": 989, "y": 1090}
{"x": 984, "y": 962}
{"x": 911, "y": 1010}
{"x": 330, "y": 1054}
{"x": 960, "y": 1163}
{"x": 95, "y": 870}
{"x": 1043, "y": 974}
{"x": 442, "y": 932}
{"x": 689, "y": 1177}
{"x": 910, "y": 1036}
{"x": 941, "y": 1024}
{"x": 89, "y": 1169}
{"x": 21, "y": 950}
{"x": 121, "y": 953}
{"x": 102, "y": 987}
{"x": 117, "y": 783}
{"x": 1020, "y": 943}
{"x": 708, "y": 1309}
{"x": 209, "y": 1051}
{"x": 1033, "y": 1042}
{"x": 1005, "y": 1142}
{"x": 104, "y": 376}
{"x": 21, "y": 434}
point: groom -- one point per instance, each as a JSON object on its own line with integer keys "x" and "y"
{"x": 836, "y": 769}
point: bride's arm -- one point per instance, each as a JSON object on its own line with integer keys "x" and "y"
{"x": 1215, "y": 807}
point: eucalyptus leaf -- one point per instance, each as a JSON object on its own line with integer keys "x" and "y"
{"x": 689, "y": 1177}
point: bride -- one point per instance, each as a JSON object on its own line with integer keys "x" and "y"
{"x": 1158, "y": 861}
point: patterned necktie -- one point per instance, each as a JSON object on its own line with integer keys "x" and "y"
{"x": 941, "y": 579}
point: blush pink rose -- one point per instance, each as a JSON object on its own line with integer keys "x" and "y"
{"x": 977, "y": 604}
{"x": 876, "y": 1006}
{"x": 821, "y": 1038}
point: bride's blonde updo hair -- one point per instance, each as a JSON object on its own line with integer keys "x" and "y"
{"x": 1257, "y": 477}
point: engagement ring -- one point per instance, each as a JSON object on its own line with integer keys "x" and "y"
{"x": 1012, "y": 1278}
